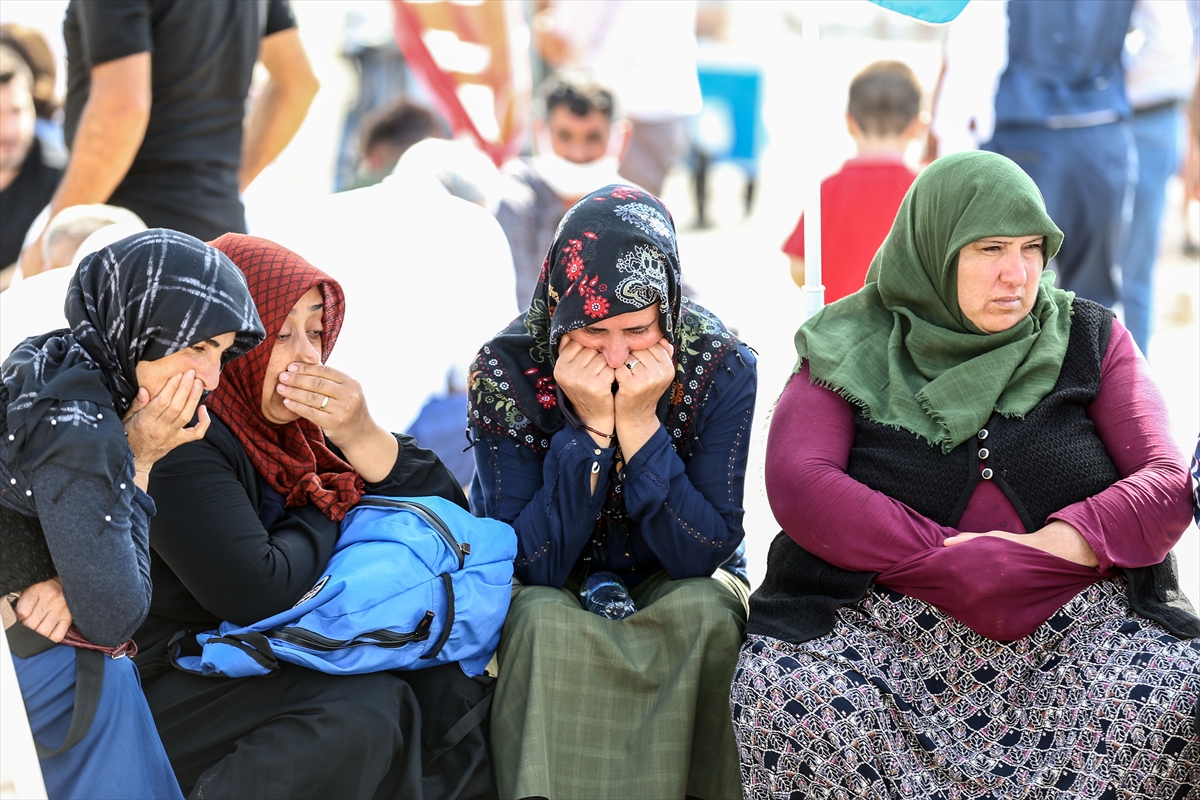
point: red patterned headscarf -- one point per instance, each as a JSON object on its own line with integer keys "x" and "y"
{"x": 292, "y": 458}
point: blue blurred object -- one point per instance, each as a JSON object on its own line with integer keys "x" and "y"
{"x": 440, "y": 427}
{"x": 728, "y": 128}
{"x": 731, "y": 120}
{"x": 937, "y": 12}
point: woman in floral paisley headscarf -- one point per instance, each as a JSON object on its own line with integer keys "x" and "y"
{"x": 613, "y": 420}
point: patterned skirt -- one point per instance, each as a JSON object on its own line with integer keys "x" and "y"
{"x": 900, "y": 700}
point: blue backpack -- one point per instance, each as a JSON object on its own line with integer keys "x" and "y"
{"x": 413, "y": 582}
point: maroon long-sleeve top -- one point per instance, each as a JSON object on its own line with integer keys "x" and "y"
{"x": 999, "y": 588}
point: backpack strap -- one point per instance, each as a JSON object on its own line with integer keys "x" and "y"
{"x": 469, "y": 721}
{"x": 185, "y": 653}
{"x": 89, "y": 682}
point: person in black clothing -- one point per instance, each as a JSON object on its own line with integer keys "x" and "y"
{"x": 246, "y": 523}
{"x": 155, "y": 111}
{"x": 29, "y": 168}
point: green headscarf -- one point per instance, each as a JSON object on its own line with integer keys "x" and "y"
{"x": 902, "y": 348}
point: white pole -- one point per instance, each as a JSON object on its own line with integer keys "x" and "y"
{"x": 813, "y": 291}
{"x": 20, "y": 770}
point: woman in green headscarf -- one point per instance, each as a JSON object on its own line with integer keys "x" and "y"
{"x": 972, "y": 595}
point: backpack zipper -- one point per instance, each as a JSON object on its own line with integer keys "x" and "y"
{"x": 302, "y": 637}
{"x": 427, "y": 514}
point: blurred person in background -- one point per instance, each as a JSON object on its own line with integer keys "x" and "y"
{"x": 578, "y": 141}
{"x": 645, "y": 51}
{"x": 424, "y": 226}
{"x": 71, "y": 226}
{"x": 858, "y": 204}
{"x": 1061, "y": 113}
{"x": 1159, "y": 75}
{"x": 35, "y": 305}
{"x": 30, "y": 168}
{"x": 387, "y": 134}
{"x": 33, "y": 48}
{"x": 458, "y": 165}
{"x": 380, "y": 72}
{"x": 1191, "y": 168}
{"x": 963, "y": 113}
{"x": 156, "y": 111}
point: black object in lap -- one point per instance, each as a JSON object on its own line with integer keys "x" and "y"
{"x": 455, "y": 740}
{"x": 250, "y": 737}
{"x": 26, "y": 557}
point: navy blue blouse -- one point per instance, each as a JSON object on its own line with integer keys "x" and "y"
{"x": 688, "y": 515}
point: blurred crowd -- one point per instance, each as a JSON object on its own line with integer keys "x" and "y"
{"x": 164, "y": 127}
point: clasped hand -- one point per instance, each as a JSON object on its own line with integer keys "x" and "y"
{"x": 328, "y": 397}
{"x": 1057, "y": 538}
{"x": 157, "y": 425}
{"x": 587, "y": 380}
{"x": 334, "y": 401}
{"x": 43, "y": 608}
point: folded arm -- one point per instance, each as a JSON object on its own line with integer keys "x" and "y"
{"x": 98, "y": 537}
{"x": 1136, "y": 521}
{"x": 818, "y": 504}
{"x": 210, "y": 535}
{"x": 999, "y": 587}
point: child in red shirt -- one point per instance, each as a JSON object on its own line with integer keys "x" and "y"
{"x": 859, "y": 202}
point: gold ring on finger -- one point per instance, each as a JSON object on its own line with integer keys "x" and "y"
{"x": 324, "y": 403}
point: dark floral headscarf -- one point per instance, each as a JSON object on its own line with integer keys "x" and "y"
{"x": 614, "y": 252}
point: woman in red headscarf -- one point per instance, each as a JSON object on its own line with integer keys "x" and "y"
{"x": 246, "y": 523}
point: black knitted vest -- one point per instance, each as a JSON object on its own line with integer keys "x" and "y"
{"x": 1050, "y": 459}
{"x": 24, "y": 556}
{"x": 1042, "y": 463}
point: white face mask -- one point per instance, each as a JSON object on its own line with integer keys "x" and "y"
{"x": 572, "y": 181}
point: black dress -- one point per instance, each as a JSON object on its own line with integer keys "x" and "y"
{"x": 224, "y": 547}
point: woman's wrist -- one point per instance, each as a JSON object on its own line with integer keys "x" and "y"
{"x": 1065, "y": 541}
{"x": 141, "y": 477}
{"x": 372, "y": 454}
{"x": 600, "y": 437}
{"x": 634, "y": 432}
{"x": 601, "y": 427}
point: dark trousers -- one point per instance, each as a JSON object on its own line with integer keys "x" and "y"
{"x": 301, "y": 733}
{"x": 1086, "y": 176}
{"x": 120, "y": 756}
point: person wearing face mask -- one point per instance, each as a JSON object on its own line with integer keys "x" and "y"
{"x": 579, "y": 141}
{"x": 613, "y": 423}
